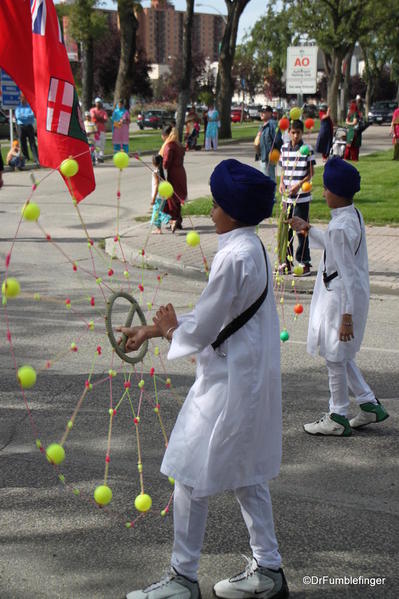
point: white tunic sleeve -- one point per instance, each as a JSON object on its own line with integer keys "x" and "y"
{"x": 344, "y": 256}
{"x": 200, "y": 328}
{"x": 316, "y": 238}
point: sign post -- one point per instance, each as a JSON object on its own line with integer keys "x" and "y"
{"x": 10, "y": 97}
{"x": 301, "y": 70}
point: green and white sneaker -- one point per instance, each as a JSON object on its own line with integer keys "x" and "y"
{"x": 173, "y": 585}
{"x": 329, "y": 424}
{"x": 255, "y": 581}
{"x": 369, "y": 414}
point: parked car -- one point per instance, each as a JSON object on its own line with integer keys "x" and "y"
{"x": 309, "y": 111}
{"x": 254, "y": 112}
{"x": 235, "y": 115}
{"x": 382, "y": 112}
{"x": 155, "y": 119}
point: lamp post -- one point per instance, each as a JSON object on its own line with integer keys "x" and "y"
{"x": 215, "y": 9}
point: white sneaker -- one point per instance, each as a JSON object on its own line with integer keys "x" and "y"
{"x": 369, "y": 413}
{"x": 255, "y": 581}
{"x": 329, "y": 424}
{"x": 172, "y": 585}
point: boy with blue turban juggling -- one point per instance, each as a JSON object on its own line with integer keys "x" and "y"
{"x": 338, "y": 312}
{"x": 228, "y": 432}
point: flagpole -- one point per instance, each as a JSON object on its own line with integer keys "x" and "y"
{"x": 11, "y": 129}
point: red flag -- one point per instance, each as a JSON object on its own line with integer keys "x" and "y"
{"x": 32, "y": 52}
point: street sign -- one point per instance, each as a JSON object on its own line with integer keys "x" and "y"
{"x": 10, "y": 94}
{"x": 301, "y": 70}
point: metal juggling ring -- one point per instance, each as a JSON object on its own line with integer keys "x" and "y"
{"x": 120, "y": 348}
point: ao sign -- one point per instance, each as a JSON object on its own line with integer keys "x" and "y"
{"x": 301, "y": 69}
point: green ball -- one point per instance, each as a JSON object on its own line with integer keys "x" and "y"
{"x": 11, "y": 287}
{"x": 26, "y": 376}
{"x": 165, "y": 189}
{"x": 69, "y": 167}
{"x": 284, "y": 336}
{"x": 298, "y": 270}
{"x": 295, "y": 113}
{"x": 192, "y": 238}
{"x": 102, "y": 495}
{"x": 143, "y": 502}
{"x": 55, "y": 453}
{"x": 304, "y": 150}
{"x": 30, "y": 211}
{"x": 121, "y": 160}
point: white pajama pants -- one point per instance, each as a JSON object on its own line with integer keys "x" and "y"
{"x": 101, "y": 143}
{"x": 342, "y": 375}
{"x": 190, "y": 514}
{"x": 211, "y": 142}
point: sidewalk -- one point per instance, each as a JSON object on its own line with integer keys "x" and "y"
{"x": 170, "y": 251}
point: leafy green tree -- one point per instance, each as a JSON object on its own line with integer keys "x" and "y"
{"x": 186, "y": 77}
{"x": 225, "y": 80}
{"x": 128, "y": 25}
{"x": 247, "y": 72}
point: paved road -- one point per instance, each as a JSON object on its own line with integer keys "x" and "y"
{"x": 335, "y": 502}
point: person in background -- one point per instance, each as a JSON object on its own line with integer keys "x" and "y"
{"x": 157, "y": 202}
{"x": 173, "y": 162}
{"x": 353, "y": 136}
{"x": 99, "y": 118}
{"x": 120, "y": 127}
{"x": 1, "y": 170}
{"x": 91, "y": 132}
{"x": 14, "y": 158}
{"x": 323, "y": 111}
{"x": 395, "y": 134}
{"x": 25, "y": 120}
{"x": 212, "y": 129}
{"x": 325, "y": 137}
{"x": 269, "y": 139}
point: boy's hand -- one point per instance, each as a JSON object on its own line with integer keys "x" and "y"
{"x": 294, "y": 190}
{"x": 135, "y": 337}
{"x": 165, "y": 320}
{"x": 346, "y": 329}
{"x": 298, "y": 224}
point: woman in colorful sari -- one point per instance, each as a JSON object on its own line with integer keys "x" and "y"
{"x": 172, "y": 153}
{"x": 120, "y": 127}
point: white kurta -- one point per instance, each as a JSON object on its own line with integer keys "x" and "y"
{"x": 228, "y": 432}
{"x": 348, "y": 293}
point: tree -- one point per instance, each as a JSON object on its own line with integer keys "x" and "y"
{"x": 86, "y": 25}
{"x": 128, "y": 25}
{"x": 185, "y": 80}
{"x": 335, "y": 25}
{"x": 225, "y": 80}
{"x": 247, "y": 71}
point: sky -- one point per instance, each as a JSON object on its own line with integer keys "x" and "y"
{"x": 252, "y": 12}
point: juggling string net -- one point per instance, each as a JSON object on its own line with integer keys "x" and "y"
{"x": 138, "y": 388}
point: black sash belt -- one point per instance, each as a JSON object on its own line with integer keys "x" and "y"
{"x": 327, "y": 278}
{"x": 243, "y": 318}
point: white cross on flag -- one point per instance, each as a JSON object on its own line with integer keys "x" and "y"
{"x": 59, "y": 106}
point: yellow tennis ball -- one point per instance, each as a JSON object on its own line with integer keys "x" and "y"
{"x": 26, "y": 376}
{"x": 30, "y": 211}
{"x": 165, "y": 189}
{"x": 102, "y": 495}
{"x": 192, "y": 238}
{"x": 11, "y": 287}
{"x": 69, "y": 167}
{"x": 143, "y": 502}
{"x": 121, "y": 160}
{"x": 298, "y": 269}
{"x": 171, "y": 480}
{"x": 295, "y": 113}
{"x": 55, "y": 453}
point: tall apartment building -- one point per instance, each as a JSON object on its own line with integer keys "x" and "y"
{"x": 160, "y": 33}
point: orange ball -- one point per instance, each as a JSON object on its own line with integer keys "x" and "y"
{"x": 274, "y": 156}
{"x": 298, "y": 308}
{"x": 307, "y": 186}
{"x": 283, "y": 124}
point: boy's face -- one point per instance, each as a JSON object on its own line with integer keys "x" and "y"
{"x": 334, "y": 201}
{"x": 223, "y": 221}
{"x": 296, "y": 136}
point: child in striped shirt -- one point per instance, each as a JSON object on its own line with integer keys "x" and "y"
{"x": 296, "y": 161}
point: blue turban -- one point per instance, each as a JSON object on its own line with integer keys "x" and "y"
{"x": 242, "y": 191}
{"x": 341, "y": 178}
